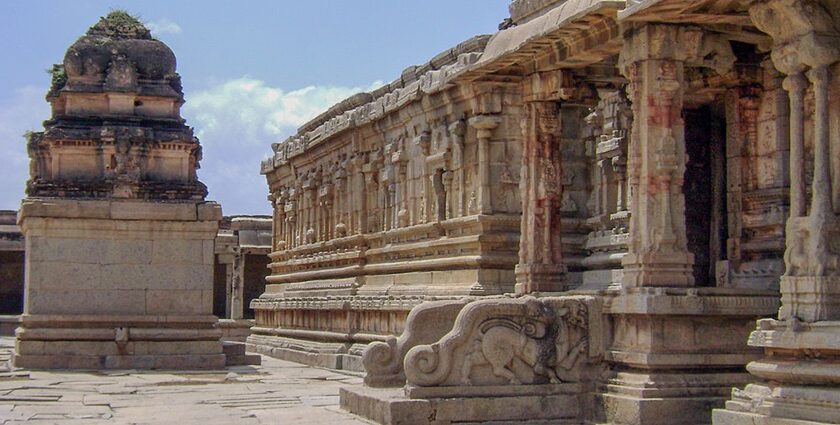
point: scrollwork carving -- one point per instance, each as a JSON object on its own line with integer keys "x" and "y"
{"x": 507, "y": 341}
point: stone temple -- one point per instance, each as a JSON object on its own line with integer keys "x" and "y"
{"x": 607, "y": 212}
{"x": 119, "y": 239}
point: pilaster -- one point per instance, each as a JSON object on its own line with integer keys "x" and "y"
{"x": 484, "y": 125}
{"x": 657, "y": 252}
{"x": 540, "y": 267}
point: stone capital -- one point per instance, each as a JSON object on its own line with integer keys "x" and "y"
{"x": 553, "y": 85}
{"x": 486, "y": 97}
{"x": 688, "y": 44}
{"x": 803, "y": 33}
{"x": 485, "y": 123}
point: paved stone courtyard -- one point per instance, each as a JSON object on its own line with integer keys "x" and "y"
{"x": 278, "y": 392}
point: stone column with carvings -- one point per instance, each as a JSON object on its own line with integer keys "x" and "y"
{"x": 797, "y": 379}
{"x": 540, "y": 267}
{"x": 357, "y": 195}
{"x": 658, "y": 255}
{"x": 484, "y": 125}
{"x": 456, "y": 132}
{"x": 237, "y": 293}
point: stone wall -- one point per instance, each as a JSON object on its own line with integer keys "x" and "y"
{"x": 382, "y": 204}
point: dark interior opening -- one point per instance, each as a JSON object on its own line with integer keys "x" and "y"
{"x": 11, "y": 282}
{"x": 704, "y": 189}
{"x": 256, "y": 269}
{"x": 219, "y": 289}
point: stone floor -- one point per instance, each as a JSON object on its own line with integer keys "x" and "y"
{"x": 278, "y": 392}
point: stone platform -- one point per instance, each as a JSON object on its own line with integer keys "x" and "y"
{"x": 119, "y": 284}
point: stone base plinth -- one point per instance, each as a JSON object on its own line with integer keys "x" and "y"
{"x": 309, "y": 349}
{"x": 550, "y": 403}
{"x": 118, "y": 284}
{"x": 773, "y": 404}
{"x": 672, "y": 269}
{"x": 8, "y": 324}
{"x": 676, "y": 353}
{"x": 796, "y": 382}
{"x": 326, "y": 331}
{"x": 677, "y": 398}
{"x": 236, "y": 330}
{"x": 118, "y": 342}
{"x": 537, "y": 278}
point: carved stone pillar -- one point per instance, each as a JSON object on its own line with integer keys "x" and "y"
{"x": 400, "y": 203}
{"x": 484, "y": 124}
{"x": 279, "y": 223}
{"x": 237, "y": 285}
{"x": 797, "y": 380}
{"x": 540, "y": 267}
{"x": 358, "y": 195}
{"x": 311, "y": 197}
{"x": 422, "y": 141}
{"x": 795, "y": 85}
{"x": 811, "y": 284}
{"x": 437, "y": 184}
{"x": 658, "y": 255}
{"x": 456, "y": 133}
{"x": 339, "y": 205}
{"x": 371, "y": 207}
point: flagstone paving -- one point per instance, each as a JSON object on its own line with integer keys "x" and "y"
{"x": 277, "y": 392}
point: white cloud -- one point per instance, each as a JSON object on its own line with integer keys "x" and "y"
{"x": 163, "y": 26}
{"x": 237, "y": 121}
{"x": 26, "y": 110}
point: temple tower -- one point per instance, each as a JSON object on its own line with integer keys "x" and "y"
{"x": 119, "y": 238}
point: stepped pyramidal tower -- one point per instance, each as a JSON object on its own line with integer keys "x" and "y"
{"x": 119, "y": 238}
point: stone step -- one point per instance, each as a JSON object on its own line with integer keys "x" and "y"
{"x": 233, "y": 348}
{"x": 235, "y": 355}
{"x": 244, "y": 360}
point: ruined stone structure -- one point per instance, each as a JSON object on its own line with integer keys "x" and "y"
{"x": 670, "y": 170}
{"x": 242, "y": 247}
{"x": 119, "y": 238}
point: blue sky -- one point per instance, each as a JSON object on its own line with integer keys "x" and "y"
{"x": 252, "y": 70}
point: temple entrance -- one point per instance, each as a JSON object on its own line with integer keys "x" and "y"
{"x": 704, "y": 189}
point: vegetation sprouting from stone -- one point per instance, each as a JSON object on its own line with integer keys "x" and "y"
{"x": 121, "y": 24}
{"x": 32, "y": 137}
{"x": 58, "y": 78}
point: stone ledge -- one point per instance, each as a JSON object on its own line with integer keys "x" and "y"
{"x": 119, "y": 210}
{"x": 694, "y": 302}
{"x": 728, "y": 417}
{"x": 78, "y": 362}
{"x": 470, "y": 391}
{"x": 331, "y": 355}
{"x": 391, "y": 406}
{"x": 680, "y": 360}
{"x": 792, "y": 335}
